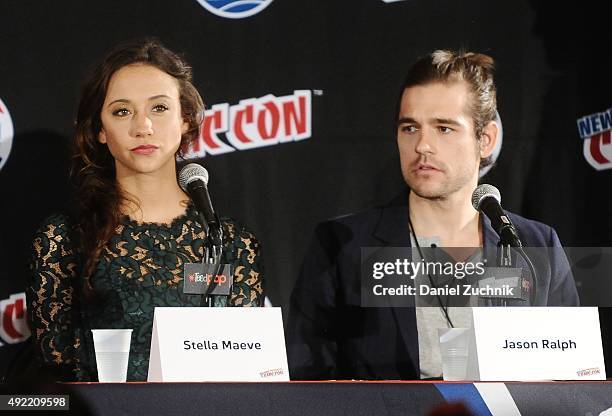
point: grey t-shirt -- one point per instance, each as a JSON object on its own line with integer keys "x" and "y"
{"x": 430, "y": 318}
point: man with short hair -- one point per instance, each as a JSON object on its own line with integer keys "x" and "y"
{"x": 446, "y": 133}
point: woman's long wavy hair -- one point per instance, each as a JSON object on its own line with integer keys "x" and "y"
{"x": 97, "y": 196}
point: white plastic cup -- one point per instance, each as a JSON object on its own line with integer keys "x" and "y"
{"x": 454, "y": 353}
{"x": 112, "y": 354}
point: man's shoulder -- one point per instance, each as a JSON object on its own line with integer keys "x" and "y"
{"x": 362, "y": 223}
{"x": 348, "y": 231}
{"x": 357, "y": 219}
{"x": 533, "y": 233}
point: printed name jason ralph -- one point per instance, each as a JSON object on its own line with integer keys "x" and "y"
{"x": 541, "y": 344}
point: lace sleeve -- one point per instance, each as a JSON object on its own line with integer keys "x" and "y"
{"x": 50, "y": 294}
{"x": 248, "y": 277}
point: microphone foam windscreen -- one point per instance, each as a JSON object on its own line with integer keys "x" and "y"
{"x": 483, "y": 191}
{"x": 192, "y": 172}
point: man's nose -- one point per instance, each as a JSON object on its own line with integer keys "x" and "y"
{"x": 426, "y": 142}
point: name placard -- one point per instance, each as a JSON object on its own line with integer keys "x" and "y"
{"x": 536, "y": 343}
{"x": 218, "y": 344}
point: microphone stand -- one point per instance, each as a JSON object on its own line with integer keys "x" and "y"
{"x": 213, "y": 250}
{"x": 533, "y": 274}
{"x": 505, "y": 260}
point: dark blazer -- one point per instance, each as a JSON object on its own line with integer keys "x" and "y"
{"x": 329, "y": 334}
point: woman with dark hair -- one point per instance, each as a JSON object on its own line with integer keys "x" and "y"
{"x": 122, "y": 251}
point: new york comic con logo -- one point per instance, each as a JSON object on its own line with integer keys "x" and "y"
{"x": 234, "y": 9}
{"x": 14, "y": 325}
{"x": 596, "y": 130}
{"x": 6, "y": 133}
{"x": 254, "y": 123}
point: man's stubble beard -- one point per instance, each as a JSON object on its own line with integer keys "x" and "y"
{"x": 439, "y": 190}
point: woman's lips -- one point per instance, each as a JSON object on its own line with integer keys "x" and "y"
{"x": 145, "y": 149}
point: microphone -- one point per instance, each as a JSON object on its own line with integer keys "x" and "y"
{"x": 193, "y": 179}
{"x": 486, "y": 198}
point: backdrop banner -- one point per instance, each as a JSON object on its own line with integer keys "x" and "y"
{"x": 301, "y": 99}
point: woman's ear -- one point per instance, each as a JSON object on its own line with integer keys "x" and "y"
{"x": 102, "y": 136}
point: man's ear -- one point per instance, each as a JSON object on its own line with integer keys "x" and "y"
{"x": 488, "y": 139}
{"x": 102, "y": 136}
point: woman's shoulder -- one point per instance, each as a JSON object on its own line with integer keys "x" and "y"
{"x": 236, "y": 231}
{"x": 57, "y": 228}
{"x": 52, "y": 247}
{"x": 55, "y": 224}
{"x": 245, "y": 252}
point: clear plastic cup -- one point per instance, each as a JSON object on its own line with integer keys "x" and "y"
{"x": 112, "y": 348}
{"x": 454, "y": 353}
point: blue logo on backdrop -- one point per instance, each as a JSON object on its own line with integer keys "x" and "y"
{"x": 234, "y": 9}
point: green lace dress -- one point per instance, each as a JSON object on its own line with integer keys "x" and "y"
{"x": 140, "y": 268}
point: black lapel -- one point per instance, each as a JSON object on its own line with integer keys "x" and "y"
{"x": 392, "y": 228}
{"x": 490, "y": 239}
{"x": 392, "y": 231}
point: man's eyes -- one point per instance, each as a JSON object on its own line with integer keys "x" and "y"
{"x": 406, "y": 128}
